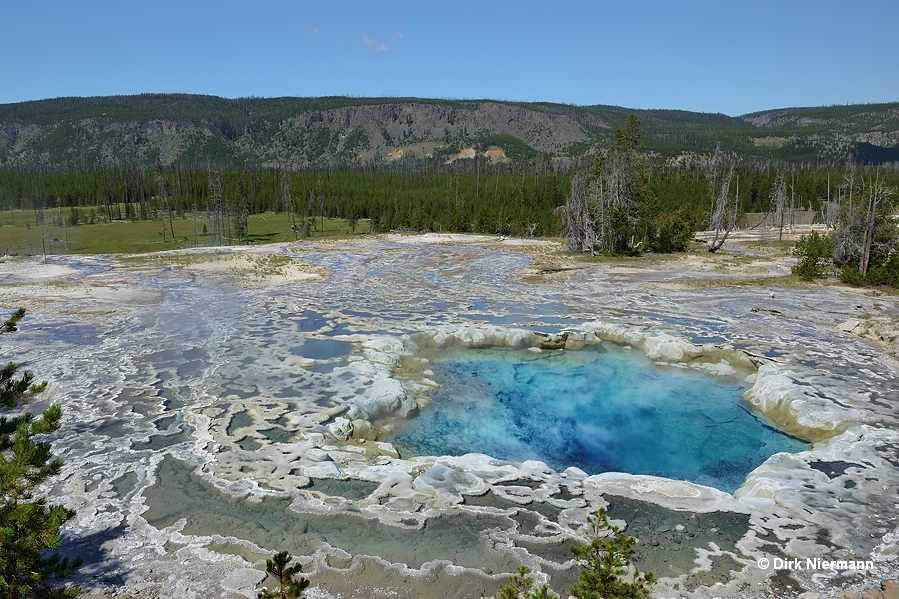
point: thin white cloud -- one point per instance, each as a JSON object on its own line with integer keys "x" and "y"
{"x": 314, "y": 31}
{"x": 399, "y": 35}
{"x": 374, "y": 44}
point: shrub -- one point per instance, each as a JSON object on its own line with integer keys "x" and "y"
{"x": 813, "y": 251}
{"x": 885, "y": 272}
{"x": 850, "y": 275}
{"x": 675, "y": 234}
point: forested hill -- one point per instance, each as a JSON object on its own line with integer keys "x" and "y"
{"x": 207, "y": 131}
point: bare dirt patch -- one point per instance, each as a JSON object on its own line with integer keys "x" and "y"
{"x": 247, "y": 267}
{"x": 880, "y": 330}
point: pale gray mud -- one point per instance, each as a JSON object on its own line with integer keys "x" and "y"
{"x": 208, "y": 425}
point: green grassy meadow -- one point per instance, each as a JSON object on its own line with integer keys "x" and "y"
{"x": 19, "y": 235}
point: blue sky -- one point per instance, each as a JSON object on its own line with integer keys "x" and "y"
{"x": 719, "y": 56}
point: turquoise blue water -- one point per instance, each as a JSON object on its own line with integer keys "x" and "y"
{"x": 600, "y": 410}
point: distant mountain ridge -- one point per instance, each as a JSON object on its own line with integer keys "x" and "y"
{"x": 201, "y": 131}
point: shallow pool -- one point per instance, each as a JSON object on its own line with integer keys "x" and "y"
{"x": 604, "y": 409}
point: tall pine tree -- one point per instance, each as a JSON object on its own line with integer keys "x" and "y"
{"x": 29, "y": 526}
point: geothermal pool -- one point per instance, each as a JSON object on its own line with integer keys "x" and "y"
{"x": 209, "y": 424}
{"x": 603, "y": 409}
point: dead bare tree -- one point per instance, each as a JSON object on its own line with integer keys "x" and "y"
{"x": 321, "y": 202}
{"x": 723, "y": 213}
{"x": 287, "y": 201}
{"x": 163, "y": 183}
{"x": 865, "y": 220}
{"x": 829, "y": 210}
{"x": 877, "y": 195}
{"x": 217, "y": 205}
{"x": 63, "y": 223}
{"x": 310, "y": 211}
{"x": 242, "y": 214}
{"x": 194, "y": 209}
{"x": 577, "y": 220}
{"x": 778, "y": 200}
{"x": 847, "y": 229}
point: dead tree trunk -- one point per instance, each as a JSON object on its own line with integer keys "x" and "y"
{"x": 877, "y": 193}
{"x": 722, "y": 217}
{"x": 578, "y": 231}
{"x": 778, "y": 204}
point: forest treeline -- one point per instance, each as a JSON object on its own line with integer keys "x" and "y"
{"x": 466, "y": 196}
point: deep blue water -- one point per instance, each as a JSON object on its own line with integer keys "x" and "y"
{"x": 601, "y": 410}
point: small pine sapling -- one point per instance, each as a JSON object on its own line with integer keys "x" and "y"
{"x": 290, "y": 586}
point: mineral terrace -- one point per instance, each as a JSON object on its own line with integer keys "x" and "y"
{"x": 224, "y": 404}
